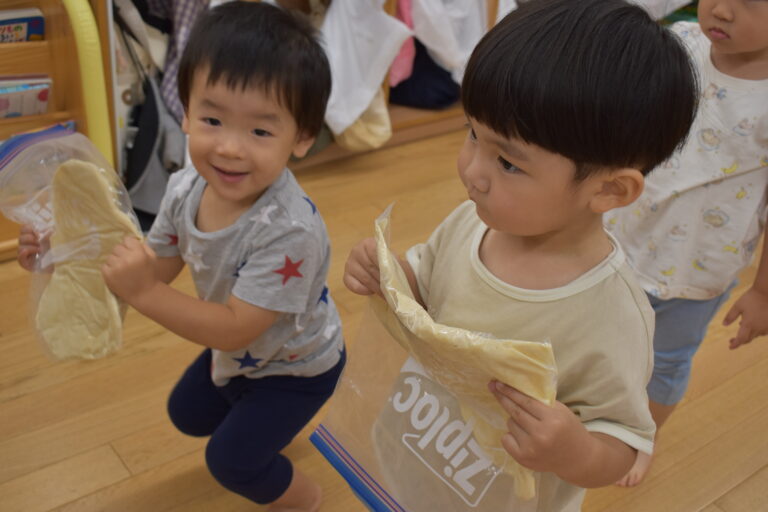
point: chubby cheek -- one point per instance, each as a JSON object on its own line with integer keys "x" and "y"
{"x": 200, "y": 155}
{"x": 195, "y": 154}
{"x": 758, "y": 37}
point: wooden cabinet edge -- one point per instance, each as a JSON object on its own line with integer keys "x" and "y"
{"x": 22, "y": 124}
{"x": 8, "y": 250}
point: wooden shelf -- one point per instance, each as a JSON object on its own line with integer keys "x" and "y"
{"x": 8, "y": 248}
{"x": 15, "y": 125}
{"x": 25, "y": 58}
{"x": 55, "y": 56}
{"x": 408, "y": 125}
{"x": 8, "y": 241}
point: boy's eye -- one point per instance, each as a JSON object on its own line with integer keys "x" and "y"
{"x": 509, "y": 166}
{"x": 211, "y": 121}
{"x": 261, "y": 133}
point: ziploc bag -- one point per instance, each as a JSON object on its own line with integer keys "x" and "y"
{"x": 58, "y": 183}
{"x": 412, "y": 426}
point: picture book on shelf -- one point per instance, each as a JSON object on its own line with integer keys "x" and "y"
{"x": 26, "y": 24}
{"x": 24, "y": 95}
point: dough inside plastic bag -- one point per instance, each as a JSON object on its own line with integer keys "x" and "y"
{"x": 463, "y": 362}
{"x": 77, "y": 315}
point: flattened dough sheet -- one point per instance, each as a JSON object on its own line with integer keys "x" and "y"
{"x": 77, "y": 315}
{"x": 463, "y": 362}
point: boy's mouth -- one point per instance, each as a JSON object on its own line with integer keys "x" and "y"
{"x": 717, "y": 34}
{"x": 229, "y": 176}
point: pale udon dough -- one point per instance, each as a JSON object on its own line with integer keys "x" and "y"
{"x": 463, "y": 362}
{"x": 77, "y": 315}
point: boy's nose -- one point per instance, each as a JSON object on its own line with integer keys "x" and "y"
{"x": 476, "y": 177}
{"x": 722, "y": 10}
{"x": 229, "y": 147}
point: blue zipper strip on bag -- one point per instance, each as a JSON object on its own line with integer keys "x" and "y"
{"x": 362, "y": 483}
{"x": 18, "y": 143}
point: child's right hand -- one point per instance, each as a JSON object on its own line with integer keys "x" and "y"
{"x": 752, "y": 307}
{"x": 29, "y": 248}
{"x": 361, "y": 272}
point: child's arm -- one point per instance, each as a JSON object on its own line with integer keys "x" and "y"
{"x": 752, "y": 307}
{"x": 166, "y": 269}
{"x": 552, "y": 439}
{"x": 361, "y": 272}
{"x": 130, "y": 274}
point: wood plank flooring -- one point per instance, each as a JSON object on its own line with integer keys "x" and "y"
{"x": 81, "y": 436}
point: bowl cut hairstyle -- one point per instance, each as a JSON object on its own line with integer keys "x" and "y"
{"x": 597, "y": 81}
{"x": 250, "y": 44}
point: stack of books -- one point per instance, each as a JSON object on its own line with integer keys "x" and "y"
{"x": 24, "y": 95}
{"x": 21, "y": 25}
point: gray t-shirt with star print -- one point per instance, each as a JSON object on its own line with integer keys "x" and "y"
{"x": 275, "y": 256}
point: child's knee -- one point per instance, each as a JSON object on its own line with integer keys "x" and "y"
{"x": 261, "y": 481}
{"x": 186, "y": 420}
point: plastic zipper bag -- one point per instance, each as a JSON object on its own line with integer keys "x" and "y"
{"x": 412, "y": 426}
{"x": 57, "y": 182}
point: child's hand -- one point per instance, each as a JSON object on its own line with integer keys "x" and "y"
{"x": 361, "y": 273}
{"x": 541, "y": 437}
{"x": 752, "y": 307}
{"x": 30, "y": 247}
{"x": 130, "y": 270}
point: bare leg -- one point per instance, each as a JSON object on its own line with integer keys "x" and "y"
{"x": 642, "y": 463}
{"x": 302, "y": 495}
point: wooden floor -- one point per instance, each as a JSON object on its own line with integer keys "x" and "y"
{"x": 94, "y": 436}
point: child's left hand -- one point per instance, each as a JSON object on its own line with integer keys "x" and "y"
{"x": 541, "y": 437}
{"x": 752, "y": 307}
{"x": 129, "y": 270}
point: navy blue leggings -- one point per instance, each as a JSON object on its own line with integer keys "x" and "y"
{"x": 250, "y": 421}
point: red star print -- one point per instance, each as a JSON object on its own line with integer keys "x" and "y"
{"x": 172, "y": 239}
{"x": 292, "y": 357}
{"x": 290, "y": 269}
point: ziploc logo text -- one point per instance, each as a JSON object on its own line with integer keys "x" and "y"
{"x": 443, "y": 441}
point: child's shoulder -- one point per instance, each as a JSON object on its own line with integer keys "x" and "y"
{"x": 624, "y": 302}
{"x": 611, "y": 292}
{"x": 290, "y": 205}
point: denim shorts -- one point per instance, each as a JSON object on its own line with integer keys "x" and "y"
{"x": 681, "y": 325}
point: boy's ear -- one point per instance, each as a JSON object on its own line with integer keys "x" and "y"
{"x": 185, "y": 123}
{"x": 619, "y": 188}
{"x": 303, "y": 143}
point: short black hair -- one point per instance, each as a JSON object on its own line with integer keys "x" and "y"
{"x": 251, "y": 44}
{"x": 597, "y": 81}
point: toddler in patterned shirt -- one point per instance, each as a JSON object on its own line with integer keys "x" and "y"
{"x": 699, "y": 220}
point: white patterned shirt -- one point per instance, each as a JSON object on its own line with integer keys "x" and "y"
{"x": 699, "y": 219}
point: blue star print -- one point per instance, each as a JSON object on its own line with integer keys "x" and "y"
{"x": 323, "y": 296}
{"x": 247, "y": 361}
{"x": 314, "y": 208}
